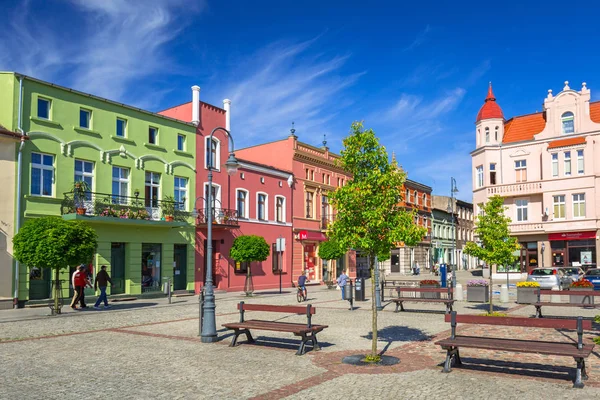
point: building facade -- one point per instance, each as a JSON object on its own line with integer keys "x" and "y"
{"x": 135, "y": 163}
{"x": 545, "y": 166}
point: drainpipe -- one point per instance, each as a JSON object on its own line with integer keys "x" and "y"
{"x": 19, "y": 168}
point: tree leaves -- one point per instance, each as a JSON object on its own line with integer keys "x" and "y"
{"x": 331, "y": 250}
{"x": 249, "y": 248}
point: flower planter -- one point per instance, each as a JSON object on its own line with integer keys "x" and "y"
{"x": 81, "y": 211}
{"x": 479, "y": 294}
{"x": 425, "y": 295}
{"x": 526, "y": 295}
{"x": 581, "y": 299}
{"x": 169, "y": 218}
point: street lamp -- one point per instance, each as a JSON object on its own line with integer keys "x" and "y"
{"x": 453, "y": 189}
{"x": 543, "y": 248}
{"x": 208, "y": 328}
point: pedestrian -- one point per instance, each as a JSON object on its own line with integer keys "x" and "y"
{"x": 102, "y": 280}
{"x": 78, "y": 280}
{"x": 417, "y": 268}
{"x": 341, "y": 281}
{"x": 84, "y": 283}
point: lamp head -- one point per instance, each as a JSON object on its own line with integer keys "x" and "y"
{"x": 231, "y": 165}
{"x": 543, "y": 246}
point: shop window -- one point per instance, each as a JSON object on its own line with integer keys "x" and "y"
{"x": 151, "y": 266}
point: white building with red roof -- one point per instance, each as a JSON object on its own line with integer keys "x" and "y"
{"x": 547, "y": 167}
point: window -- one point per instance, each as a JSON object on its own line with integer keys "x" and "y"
{"x": 212, "y": 155}
{"x": 153, "y": 135}
{"x": 181, "y": 142}
{"x": 280, "y": 209}
{"x": 152, "y": 189}
{"x": 43, "y": 108}
{"x": 554, "y": 164}
{"x": 324, "y": 178}
{"x": 309, "y": 204}
{"x": 242, "y": 196}
{"x": 121, "y": 127}
{"x": 567, "y": 163}
{"x": 215, "y": 196}
{"x": 492, "y": 173}
{"x": 120, "y": 184}
{"x": 559, "y": 206}
{"x": 84, "y": 171}
{"x": 85, "y": 118}
{"x": 312, "y": 175}
{"x": 487, "y": 135}
{"x": 580, "y": 168}
{"x": 42, "y": 174}
{"x": 417, "y": 199}
{"x": 521, "y": 170}
{"x": 496, "y": 134}
{"x": 307, "y": 173}
{"x": 407, "y": 196}
{"x": 262, "y": 207}
{"x": 579, "y": 205}
{"x": 324, "y": 207}
{"x": 522, "y": 210}
{"x": 338, "y": 179}
{"x": 180, "y": 193}
{"x": 424, "y": 200}
{"x": 479, "y": 176}
{"x": 568, "y": 122}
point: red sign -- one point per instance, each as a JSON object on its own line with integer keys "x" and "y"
{"x": 572, "y": 235}
{"x": 309, "y": 235}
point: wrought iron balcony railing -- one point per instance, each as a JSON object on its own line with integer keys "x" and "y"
{"x": 220, "y": 216}
{"x": 124, "y": 207}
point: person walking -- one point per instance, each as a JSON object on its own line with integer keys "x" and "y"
{"x": 341, "y": 281}
{"x": 78, "y": 280}
{"x": 84, "y": 282}
{"x": 102, "y": 280}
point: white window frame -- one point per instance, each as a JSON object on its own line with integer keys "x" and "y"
{"x": 266, "y": 206}
{"x": 283, "y": 209}
{"x": 47, "y": 100}
{"x": 522, "y": 208}
{"x": 84, "y": 174}
{"x": 121, "y": 180}
{"x": 559, "y": 203}
{"x": 246, "y": 203}
{"x": 124, "y": 127}
{"x": 183, "y": 190}
{"x": 554, "y": 163}
{"x": 580, "y": 201}
{"x": 217, "y": 199}
{"x": 183, "y": 143}
{"x": 156, "y": 138}
{"x": 487, "y": 134}
{"x": 580, "y": 162}
{"x": 155, "y": 184}
{"x": 479, "y": 176}
{"x": 216, "y": 162}
{"x": 521, "y": 165}
{"x": 43, "y": 168}
{"x": 564, "y": 118}
{"x": 567, "y": 163}
{"x": 312, "y": 211}
{"x": 89, "y": 118}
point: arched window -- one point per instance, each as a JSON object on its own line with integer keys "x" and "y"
{"x": 242, "y": 203}
{"x": 212, "y": 153}
{"x": 424, "y": 200}
{"x": 568, "y": 122}
{"x": 416, "y": 197}
{"x": 279, "y": 208}
{"x": 496, "y": 135}
{"x": 487, "y": 135}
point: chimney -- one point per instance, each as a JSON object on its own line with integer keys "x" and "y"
{"x": 195, "y": 105}
{"x": 227, "y": 107}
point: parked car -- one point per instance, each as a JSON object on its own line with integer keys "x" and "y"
{"x": 593, "y": 275}
{"x": 548, "y": 277}
{"x": 575, "y": 273}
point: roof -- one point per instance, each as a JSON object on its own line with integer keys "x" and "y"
{"x": 595, "y": 112}
{"x": 523, "y": 127}
{"x": 566, "y": 142}
{"x": 490, "y": 108}
{"x": 6, "y": 132}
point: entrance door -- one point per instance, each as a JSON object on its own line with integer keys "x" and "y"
{"x": 180, "y": 267}
{"x": 117, "y": 267}
{"x": 309, "y": 261}
{"x": 39, "y": 283}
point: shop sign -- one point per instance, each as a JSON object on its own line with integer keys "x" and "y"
{"x": 586, "y": 257}
{"x": 572, "y": 235}
{"x": 309, "y": 235}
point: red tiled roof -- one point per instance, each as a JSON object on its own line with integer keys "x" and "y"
{"x": 595, "y": 112}
{"x": 490, "y": 108}
{"x": 566, "y": 142}
{"x": 523, "y": 127}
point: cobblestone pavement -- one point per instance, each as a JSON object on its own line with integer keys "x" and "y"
{"x": 149, "y": 349}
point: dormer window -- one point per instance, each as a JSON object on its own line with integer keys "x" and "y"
{"x": 568, "y": 123}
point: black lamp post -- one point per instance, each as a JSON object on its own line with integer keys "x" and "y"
{"x": 453, "y": 189}
{"x": 543, "y": 248}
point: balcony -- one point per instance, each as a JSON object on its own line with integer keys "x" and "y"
{"x": 222, "y": 218}
{"x": 515, "y": 189}
{"x": 534, "y": 227}
{"x": 109, "y": 208}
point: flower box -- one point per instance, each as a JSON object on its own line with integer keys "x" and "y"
{"x": 527, "y": 295}
{"x": 478, "y": 294}
{"x": 429, "y": 283}
{"x": 581, "y": 299}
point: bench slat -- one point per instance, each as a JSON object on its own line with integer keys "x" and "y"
{"x": 520, "y": 321}
{"x": 524, "y": 346}
{"x": 275, "y": 326}
{"x": 420, "y": 300}
{"x": 281, "y": 309}
{"x": 422, "y": 290}
{"x": 548, "y": 304}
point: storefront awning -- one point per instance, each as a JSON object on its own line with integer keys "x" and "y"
{"x": 311, "y": 235}
{"x": 572, "y": 235}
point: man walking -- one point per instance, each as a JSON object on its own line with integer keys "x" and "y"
{"x": 79, "y": 282}
{"x": 102, "y": 279}
{"x": 341, "y": 281}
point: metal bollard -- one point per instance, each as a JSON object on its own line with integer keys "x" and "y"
{"x": 169, "y": 289}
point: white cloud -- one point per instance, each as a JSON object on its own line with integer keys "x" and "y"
{"x": 421, "y": 37}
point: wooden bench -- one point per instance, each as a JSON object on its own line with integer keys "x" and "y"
{"x": 400, "y": 300}
{"x": 585, "y": 293}
{"x": 579, "y": 351}
{"x": 307, "y": 331}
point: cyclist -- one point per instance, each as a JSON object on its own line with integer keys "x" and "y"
{"x": 302, "y": 283}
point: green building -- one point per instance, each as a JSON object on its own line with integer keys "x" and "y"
{"x": 140, "y": 170}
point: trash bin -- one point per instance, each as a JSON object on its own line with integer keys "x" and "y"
{"x": 443, "y": 275}
{"x": 348, "y": 290}
{"x": 359, "y": 289}
{"x": 166, "y": 284}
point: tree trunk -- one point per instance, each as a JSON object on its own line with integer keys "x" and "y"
{"x": 491, "y": 292}
{"x": 373, "y": 306}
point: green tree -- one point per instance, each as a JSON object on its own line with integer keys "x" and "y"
{"x": 496, "y": 246}
{"x": 330, "y": 250}
{"x": 249, "y": 248}
{"x": 54, "y": 243}
{"x": 369, "y": 216}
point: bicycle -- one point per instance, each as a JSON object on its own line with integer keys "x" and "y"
{"x": 300, "y": 295}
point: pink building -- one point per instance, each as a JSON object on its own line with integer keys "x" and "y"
{"x": 315, "y": 175}
{"x": 546, "y": 166}
{"x": 254, "y": 201}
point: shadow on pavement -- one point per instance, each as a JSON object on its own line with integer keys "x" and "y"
{"x": 397, "y": 333}
{"x": 280, "y": 343}
{"x": 119, "y": 306}
{"x": 486, "y": 307}
{"x": 476, "y": 272}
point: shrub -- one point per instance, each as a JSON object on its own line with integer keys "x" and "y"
{"x": 478, "y": 282}
{"x": 429, "y": 282}
{"x": 584, "y": 283}
{"x": 528, "y": 284}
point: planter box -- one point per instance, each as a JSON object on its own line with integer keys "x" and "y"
{"x": 479, "y": 294}
{"x": 430, "y": 295}
{"x": 526, "y": 295}
{"x": 581, "y": 299}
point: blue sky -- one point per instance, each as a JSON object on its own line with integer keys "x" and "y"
{"x": 416, "y": 73}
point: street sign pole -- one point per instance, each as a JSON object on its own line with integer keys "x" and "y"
{"x": 280, "y": 245}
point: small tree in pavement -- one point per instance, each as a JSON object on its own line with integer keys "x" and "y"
{"x": 249, "y": 248}
{"x": 369, "y": 216}
{"x": 331, "y": 250}
{"x": 496, "y": 246}
{"x": 54, "y": 243}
